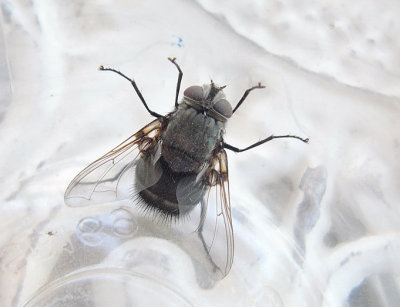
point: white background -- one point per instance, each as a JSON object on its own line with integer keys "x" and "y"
{"x": 331, "y": 71}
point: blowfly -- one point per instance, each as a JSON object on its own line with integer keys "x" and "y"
{"x": 175, "y": 163}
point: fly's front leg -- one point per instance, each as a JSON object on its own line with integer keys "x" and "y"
{"x": 246, "y": 93}
{"x": 135, "y": 87}
{"x": 178, "y": 85}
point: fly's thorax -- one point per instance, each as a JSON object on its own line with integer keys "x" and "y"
{"x": 190, "y": 138}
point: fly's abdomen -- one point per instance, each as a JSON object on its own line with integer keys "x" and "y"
{"x": 174, "y": 194}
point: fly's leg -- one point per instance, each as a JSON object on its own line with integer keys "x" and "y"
{"x": 135, "y": 87}
{"x": 270, "y": 138}
{"x": 178, "y": 84}
{"x": 246, "y": 93}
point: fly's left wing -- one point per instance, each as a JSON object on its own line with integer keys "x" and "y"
{"x": 216, "y": 229}
{"x": 111, "y": 177}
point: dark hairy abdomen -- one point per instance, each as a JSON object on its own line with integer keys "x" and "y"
{"x": 162, "y": 195}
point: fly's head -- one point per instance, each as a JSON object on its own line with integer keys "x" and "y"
{"x": 209, "y": 99}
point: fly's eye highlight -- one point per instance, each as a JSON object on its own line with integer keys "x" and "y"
{"x": 223, "y": 107}
{"x": 195, "y": 93}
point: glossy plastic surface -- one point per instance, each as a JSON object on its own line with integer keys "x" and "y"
{"x": 315, "y": 225}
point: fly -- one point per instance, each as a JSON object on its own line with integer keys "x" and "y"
{"x": 175, "y": 163}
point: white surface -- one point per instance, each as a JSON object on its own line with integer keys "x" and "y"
{"x": 316, "y": 225}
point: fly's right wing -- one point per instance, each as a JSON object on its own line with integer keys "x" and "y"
{"x": 216, "y": 229}
{"x": 111, "y": 177}
{"x": 210, "y": 189}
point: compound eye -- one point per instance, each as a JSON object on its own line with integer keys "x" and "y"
{"x": 194, "y": 93}
{"x": 223, "y": 107}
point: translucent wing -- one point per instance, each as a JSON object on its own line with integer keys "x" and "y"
{"x": 215, "y": 229}
{"x": 111, "y": 177}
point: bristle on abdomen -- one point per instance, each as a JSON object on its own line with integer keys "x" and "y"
{"x": 161, "y": 198}
{"x": 157, "y": 203}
